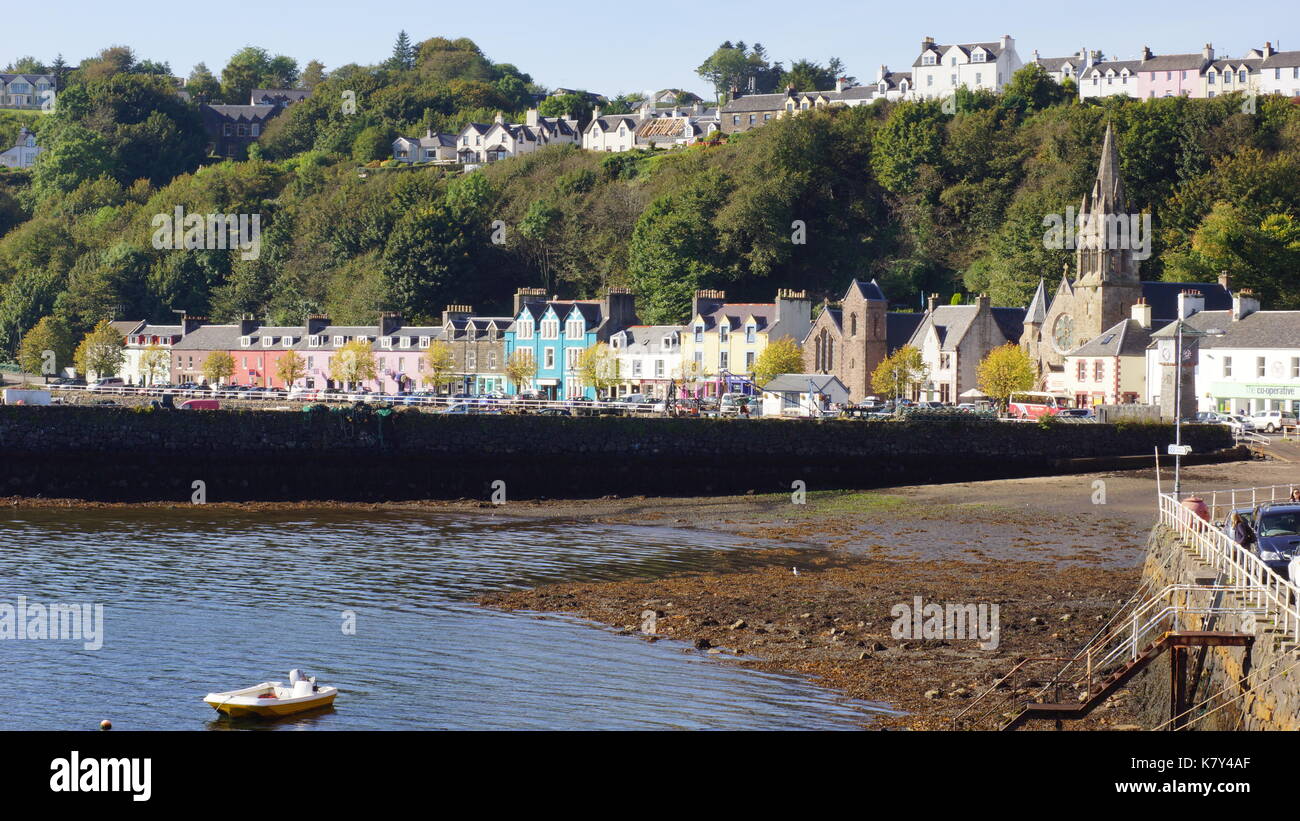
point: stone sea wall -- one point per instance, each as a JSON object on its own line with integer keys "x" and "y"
{"x": 1245, "y": 688}
{"x": 125, "y": 454}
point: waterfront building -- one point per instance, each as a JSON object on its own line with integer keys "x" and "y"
{"x": 649, "y": 358}
{"x": 850, "y": 339}
{"x": 555, "y": 333}
{"x": 955, "y": 339}
{"x": 724, "y": 339}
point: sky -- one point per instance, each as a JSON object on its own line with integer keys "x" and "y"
{"x": 613, "y": 48}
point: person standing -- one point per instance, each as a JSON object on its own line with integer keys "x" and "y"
{"x": 1242, "y": 533}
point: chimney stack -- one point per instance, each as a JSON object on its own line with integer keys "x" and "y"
{"x": 1142, "y": 313}
{"x": 706, "y": 302}
{"x": 1225, "y": 281}
{"x": 926, "y": 43}
{"x": 931, "y": 302}
{"x": 1190, "y": 302}
{"x": 1146, "y": 53}
{"x": 619, "y": 309}
{"x": 389, "y": 321}
{"x": 531, "y": 117}
{"x": 982, "y": 303}
{"x": 525, "y": 296}
{"x": 1244, "y": 303}
{"x": 499, "y": 119}
{"x": 840, "y": 82}
{"x": 191, "y": 323}
{"x": 247, "y": 324}
{"x": 1005, "y": 41}
{"x": 1268, "y": 49}
{"x": 317, "y": 323}
{"x": 454, "y": 313}
{"x": 1208, "y": 51}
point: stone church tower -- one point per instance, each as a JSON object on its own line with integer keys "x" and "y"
{"x": 1106, "y": 283}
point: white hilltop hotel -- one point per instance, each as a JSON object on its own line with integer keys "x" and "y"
{"x": 939, "y": 70}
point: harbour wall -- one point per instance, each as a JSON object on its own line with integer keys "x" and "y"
{"x": 1237, "y": 688}
{"x": 358, "y": 454}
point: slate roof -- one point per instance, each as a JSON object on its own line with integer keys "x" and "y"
{"x": 1262, "y": 329}
{"x": 735, "y": 313}
{"x": 1125, "y": 338}
{"x": 994, "y": 50}
{"x": 756, "y": 102}
{"x": 869, "y": 290}
{"x": 239, "y": 112}
{"x": 1117, "y": 66}
{"x": 1174, "y": 62}
{"x": 1163, "y": 297}
{"x": 1281, "y": 59}
{"x": 952, "y": 322}
{"x": 899, "y": 328}
{"x": 798, "y": 382}
{"x": 210, "y": 338}
{"x": 648, "y": 339}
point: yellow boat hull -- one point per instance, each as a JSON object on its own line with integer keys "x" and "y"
{"x": 271, "y": 707}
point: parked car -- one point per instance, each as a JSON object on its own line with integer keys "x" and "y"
{"x": 200, "y": 404}
{"x": 1078, "y": 413}
{"x": 640, "y": 403}
{"x": 1271, "y": 421}
{"x": 108, "y": 382}
{"x": 1277, "y": 531}
{"x": 729, "y": 404}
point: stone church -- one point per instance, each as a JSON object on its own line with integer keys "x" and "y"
{"x": 1106, "y": 283}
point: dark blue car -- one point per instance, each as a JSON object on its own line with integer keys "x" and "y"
{"x": 1277, "y": 529}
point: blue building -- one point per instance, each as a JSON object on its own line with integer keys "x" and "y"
{"x": 556, "y": 332}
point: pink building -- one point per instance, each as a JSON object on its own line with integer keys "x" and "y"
{"x": 1173, "y": 75}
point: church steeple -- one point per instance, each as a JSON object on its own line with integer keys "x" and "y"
{"x": 1107, "y": 232}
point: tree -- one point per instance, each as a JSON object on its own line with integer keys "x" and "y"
{"x": 403, "y": 52}
{"x": 218, "y": 367}
{"x": 155, "y": 364}
{"x": 354, "y": 362}
{"x": 313, "y": 75}
{"x": 781, "y": 356}
{"x": 521, "y": 369}
{"x": 101, "y": 352}
{"x": 539, "y": 232}
{"x": 898, "y": 372}
{"x": 439, "y": 365}
{"x": 47, "y": 348}
{"x": 1004, "y": 371}
{"x": 598, "y": 368}
{"x": 574, "y": 106}
{"x": 202, "y": 85}
{"x": 1033, "y": 89}
{"x": 290, "y": 367}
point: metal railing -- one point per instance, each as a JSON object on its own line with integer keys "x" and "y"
{"x": 1223, "y": 502}
{"x": 1238, "y": 567}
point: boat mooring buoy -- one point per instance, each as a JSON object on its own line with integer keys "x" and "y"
{"x": 105, "y": 725}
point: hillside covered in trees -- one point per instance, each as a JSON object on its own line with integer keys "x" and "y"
{"x": 921, "y": 198}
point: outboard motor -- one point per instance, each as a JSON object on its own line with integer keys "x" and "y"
{"x": 298, "y": 686}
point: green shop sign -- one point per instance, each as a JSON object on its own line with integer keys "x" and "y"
{"x": 1254, "y": 390}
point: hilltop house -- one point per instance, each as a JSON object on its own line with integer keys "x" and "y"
{"x": 24, "y": 152}
{"x": 26, "y": 90}
{"x": 233, "y": 128}
{"x": 939, "y": 70}
{"x": 1109, "y": 78}
{"x": 432, "y": 147}
{"x": 1279, "y": 71}
{"x": 742, "y": 111}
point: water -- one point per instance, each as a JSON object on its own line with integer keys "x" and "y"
{"x": 205, "y": 601}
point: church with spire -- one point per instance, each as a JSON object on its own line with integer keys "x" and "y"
{"x": 1106, "y": 283}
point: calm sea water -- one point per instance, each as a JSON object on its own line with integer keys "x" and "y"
{"x": 206, "y": 601}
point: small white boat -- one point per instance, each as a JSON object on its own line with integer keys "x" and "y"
{"x": 274, "y": 699}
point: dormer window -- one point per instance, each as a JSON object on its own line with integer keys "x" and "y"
{"x": 667, "y": 342}
{"x": 406, "y": 342}
{"x": 724, "y": 332}
{"x": 699, "y": 333}
{"x": 751, "y": 332}
{"x": 338, "y": 342}
{"x": 387, "y": 342}
{"x": 313, "y": 341}
{"x": 424, "y": 342}
{"x": 286, "y": 341}
{"x": 977, "y": 57}
{"x": 575, "y": 328}
{"x": 268, "y": 341}
{"x": 927, "y": 60}
{"x": 245, "y": 341}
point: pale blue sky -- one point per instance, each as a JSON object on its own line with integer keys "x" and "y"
{"x": 615, "y": 47}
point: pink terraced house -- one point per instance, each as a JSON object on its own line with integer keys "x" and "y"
{"x": 1173, "y": 75}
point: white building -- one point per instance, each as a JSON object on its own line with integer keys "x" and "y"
{"x": 147, "y": 356}
{"x": 613, "y": 132}
{"x": 803, "y": 394}
{"x": 1061, "y": 69}
{"x": 24, "y": 151}
{"x": 649, "y": 357}
{"x": 939, "y": 70}
{"x": 1109, "y": 78}
{"x": 891, "y": 85}
{"x": 1279, "y": 71}
{"x": 439, "y": 148}
{"x": 1248, "y": 359}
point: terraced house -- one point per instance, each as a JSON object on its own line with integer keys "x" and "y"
{"x": 478, "y": 347}
{"x": 724, "y": 339}
{"x": 555, "y": 333}
{"x": 649, "y": 358}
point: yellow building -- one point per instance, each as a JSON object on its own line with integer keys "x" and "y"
{"x": 723, "y": 339}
